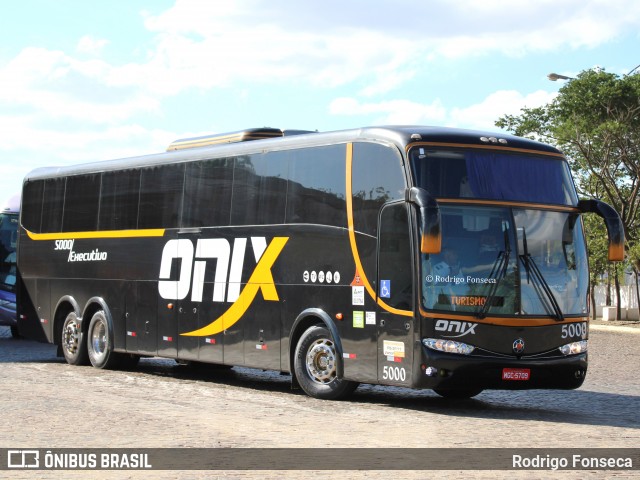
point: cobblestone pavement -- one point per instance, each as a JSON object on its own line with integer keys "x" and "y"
{"x": 49, "y": 404}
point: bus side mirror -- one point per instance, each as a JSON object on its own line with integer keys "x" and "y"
{"x": 431, "y": 237}
{"x": 615, "y": 229}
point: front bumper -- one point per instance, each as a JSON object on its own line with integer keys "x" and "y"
{"x": 453, "y": 371}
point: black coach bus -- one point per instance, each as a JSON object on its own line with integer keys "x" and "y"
{"x": 411, "y": 256}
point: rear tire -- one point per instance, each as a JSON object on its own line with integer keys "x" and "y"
{"x": 315, "y": 363}
{"x": 73, "y": 341}
{"x": 101, "y": 354}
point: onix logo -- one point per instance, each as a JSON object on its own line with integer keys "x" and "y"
{"x": 454, "y": 326}
{"x": 229, "y": 264}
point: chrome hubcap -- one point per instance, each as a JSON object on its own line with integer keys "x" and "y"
{"x": 99, "y": 340}
{"x": 71, "y": 337}
{"x": 321, "y": 361}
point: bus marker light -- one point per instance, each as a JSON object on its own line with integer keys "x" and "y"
{"x": 338, "y": 316}
{"x": 170, "y": 306}
{"x": 212, "y": 341}
{"x": 431, "y": 372}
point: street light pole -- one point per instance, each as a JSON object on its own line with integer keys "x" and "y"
{"x": 555, "y": 76}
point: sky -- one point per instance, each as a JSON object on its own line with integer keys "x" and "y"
{"x": 82, "y": 80}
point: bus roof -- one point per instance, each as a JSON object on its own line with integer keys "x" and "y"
{"x": 12, "y": 205}
{"x": 269, "y": 139}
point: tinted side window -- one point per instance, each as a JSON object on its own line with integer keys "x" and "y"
{"x": 259, "y": 189}
{"x": 119, "y": 200}
{"x": 377, "y": 178}
{"x": 81, "y": 201}
{"x": 207, "y": 193}
{"x": 32, "y": 205}
{"x": 52, "y": 205}
{"x": 316, "y": 192}
{"x": 161, "y": 196}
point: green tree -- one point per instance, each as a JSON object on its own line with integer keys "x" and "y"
{"x": 595, "y": 121}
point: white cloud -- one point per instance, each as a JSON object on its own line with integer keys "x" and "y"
{"x": 483, "y": 115}
{"x": 206, "y": 44}
{"x": 480, "y": 116}
{"x": 53, "y": 85}
{"x": 91, "y": 45}
{"x": 394, "y": 112}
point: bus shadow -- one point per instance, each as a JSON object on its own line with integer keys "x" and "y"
{"x": 19, "y": 350}
{"x": 572, "y": 407}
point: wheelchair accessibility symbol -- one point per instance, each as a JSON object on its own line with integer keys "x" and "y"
{"x": 385, "y": 288}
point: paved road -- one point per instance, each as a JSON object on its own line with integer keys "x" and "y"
{"x": 49, "y": 404}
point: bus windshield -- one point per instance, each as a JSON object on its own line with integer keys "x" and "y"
{"x": 503, "y": 260}
{"x": 8, "y": 238}
{"x": 507, "y": 261}
{"x": 493, "y": 176}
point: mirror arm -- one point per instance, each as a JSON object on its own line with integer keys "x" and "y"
{"x": 615, "y": 228}
{"x": 431, "y": 238}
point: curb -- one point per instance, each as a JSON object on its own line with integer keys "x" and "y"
{"x": 617, "y": 328}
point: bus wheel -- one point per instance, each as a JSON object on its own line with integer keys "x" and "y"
{"x": 73, "y": 341}
{"x": 101, "y": 353}
{"x": 315, "y": 366}
{"x": 457, "y": 394}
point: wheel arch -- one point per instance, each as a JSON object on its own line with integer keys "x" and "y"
{"x": 306, "y": 319}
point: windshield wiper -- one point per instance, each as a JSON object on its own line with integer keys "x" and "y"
{"x": 539, "y": 282}
{"x": 500, "y": 267}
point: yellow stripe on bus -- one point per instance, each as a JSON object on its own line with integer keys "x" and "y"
{"x": 149, "y": 232}
{"x": 354, "y": 247}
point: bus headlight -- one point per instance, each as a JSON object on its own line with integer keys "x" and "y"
{"x": 574, "y": 348}
{"x": 448, "y": 346}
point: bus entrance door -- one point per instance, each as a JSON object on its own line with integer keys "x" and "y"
{"x": 395, "y": 294}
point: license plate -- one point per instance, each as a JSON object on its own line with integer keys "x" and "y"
{"x": 516, "y": 374}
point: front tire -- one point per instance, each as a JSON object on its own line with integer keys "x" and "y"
{"x": 315, "y": 363}
{"x": 73, "y": 341}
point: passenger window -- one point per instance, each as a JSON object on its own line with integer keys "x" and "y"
{"x": 119, "y": 200}
{"x": 81, "y": 200}
{"x": 207, "y": 193}
{"x": 161, "y": 196}
{"x": 52, "y": 205}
